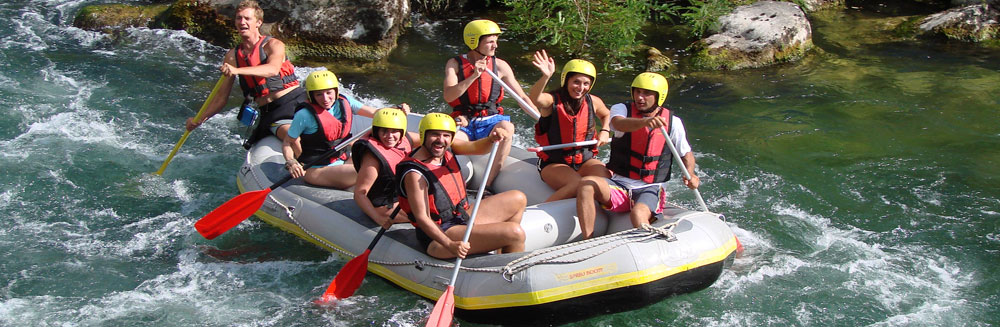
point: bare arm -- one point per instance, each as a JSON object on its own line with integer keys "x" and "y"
{"x": 507, "y": 75}
{"x": 542, "y": 101}
{"x": 290, "y": 149}
{"x": 221, "y": 98}
{"x": 603, "y": 113}
{"x": 275, "y": 57}
{"x": 480, "y": 146}
{"x": 417, "y": 190}
{"x": 688, "y": 160}
{"x": 367, "y": 175}
{"x": 453, "y": 88}
{"x": 632, "y": 124}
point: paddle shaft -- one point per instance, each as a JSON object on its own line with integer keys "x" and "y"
{"x": 475, "y": 211}
{"x": 524, "y": 104}
{"x": 383, "y": 229}
{"x": 680, "y": 161}
{"x": 197, "y": 117}
{"x": 325, "y": 155}
{"x": 565, "y": 145}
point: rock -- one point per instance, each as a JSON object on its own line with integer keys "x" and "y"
{"x": 108, "y": 17}
{"x": 362, "y": 30}
{"x": 325, "y": 30}
{"x": 815, "y": 5}
{"x": 656, "y": 61}
{"x": 975, "y": 23}
{"x": 756, "y": 35}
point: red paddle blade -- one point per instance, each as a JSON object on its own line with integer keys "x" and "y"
{"x": 444, "y": 309}
{"x": 348, "y": 279}
{"x": 231, "y": 213}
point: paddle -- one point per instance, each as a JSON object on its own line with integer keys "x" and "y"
{"x": 350, "y": 276}
{"x": 445, "y": 306}
{"x": 683, "y": 168}
{"x": 241, "y": 207}
{"x": 561, "y": 146}
{"x": 527, "y": 107}
{"x": 197, "y": 117}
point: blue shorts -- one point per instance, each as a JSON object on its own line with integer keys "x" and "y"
{"x": 425, "y": 240}
{"x": 481, "y": 127}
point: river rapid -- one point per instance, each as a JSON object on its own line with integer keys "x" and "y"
{"x": 863, "y": 181}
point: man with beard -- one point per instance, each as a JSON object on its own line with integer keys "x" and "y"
{"x": 266, "y": 76}
{"x": 432, "y": 194}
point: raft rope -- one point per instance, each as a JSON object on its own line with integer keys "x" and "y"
{"x": 635, "y": 235}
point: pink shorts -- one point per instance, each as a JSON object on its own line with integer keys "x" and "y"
{"x": 621, "y": 200}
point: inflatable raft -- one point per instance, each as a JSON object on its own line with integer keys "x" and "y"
{"x": 558, "y": 278}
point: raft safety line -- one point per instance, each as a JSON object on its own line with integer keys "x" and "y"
{"x": 520, "y": 264}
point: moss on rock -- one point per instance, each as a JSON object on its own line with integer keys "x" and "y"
{"x": 109, "y": 17}
{"x": 200, "y": 20}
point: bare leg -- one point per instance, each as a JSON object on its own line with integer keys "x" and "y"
{"x": 566, "y": 181}
{"x": 591, "y": 187}
{"x": 640, "y": 214}
{"x": 497, "y": 226}
{"x": 502, "y": 151}
{"x": 339, "y": 177}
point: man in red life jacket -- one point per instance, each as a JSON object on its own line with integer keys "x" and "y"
{"x": 264, "y": 73}
{"x": 473, "y": 93}
{"x": 432, "y": 194}
{"x": 640, "y": 159}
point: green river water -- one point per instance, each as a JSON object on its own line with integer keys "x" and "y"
{"x": 863, "y": 181}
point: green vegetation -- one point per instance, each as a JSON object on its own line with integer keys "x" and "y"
{"x": 607, "y": 30}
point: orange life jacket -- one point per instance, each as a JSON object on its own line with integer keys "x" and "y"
{"x": 643, "y": 154}
{"x": 561, "y": 127}
{"x": 446, "y": 188}
{"x": 383, "y": 190}
{"x": 259, "y": 86}
{"x": 483, "y": 97}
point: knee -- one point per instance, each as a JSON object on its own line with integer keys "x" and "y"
{"x": 506, "y": 125}
{"x": 518, "y": 199}
{"x": 516, "y": 234}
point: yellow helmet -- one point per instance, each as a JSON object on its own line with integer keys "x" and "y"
{"x": 476, "y": 29}
{"x": 436, "y": 121}
{"x": 320, "y": 80}
{"x": 390, "y": 118}
{"x": 653, "y": 82}
{"x": 579, "y": 66}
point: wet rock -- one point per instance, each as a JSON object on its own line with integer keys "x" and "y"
{"x": 815, "y": 5}
{"x": 756, "y": 35}
{"x": 357, "y": 30}
{"x": 975, "y": 23}
{"x": 656, "y": 61}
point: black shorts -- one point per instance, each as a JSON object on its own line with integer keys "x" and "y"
{"x": 425, "y": 240}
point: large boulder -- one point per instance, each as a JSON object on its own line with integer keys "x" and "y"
{"x": 975, "y": 23}
{"x": 756, "y": 35}
{"x": 325, "y": 30}
{"x": 815, "y": 5}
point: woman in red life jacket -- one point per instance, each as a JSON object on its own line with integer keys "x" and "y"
{"x": 640, "y": 157}
{"x": 319, "y": 126}
{"x": 432, "y": 194}
{"x": 375, "y": 158}
{"x": 569, "y": 114}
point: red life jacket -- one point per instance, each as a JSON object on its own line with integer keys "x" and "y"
{"x": 643, "y": 154}
{"x": 446, "y": 188}
{"x": 383, "y": 191}
{"x": 258, "y": 87}
{"x": 330, "y": 132}
{"x": 483, "y": 97}
{"x": 561, "y": 127}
